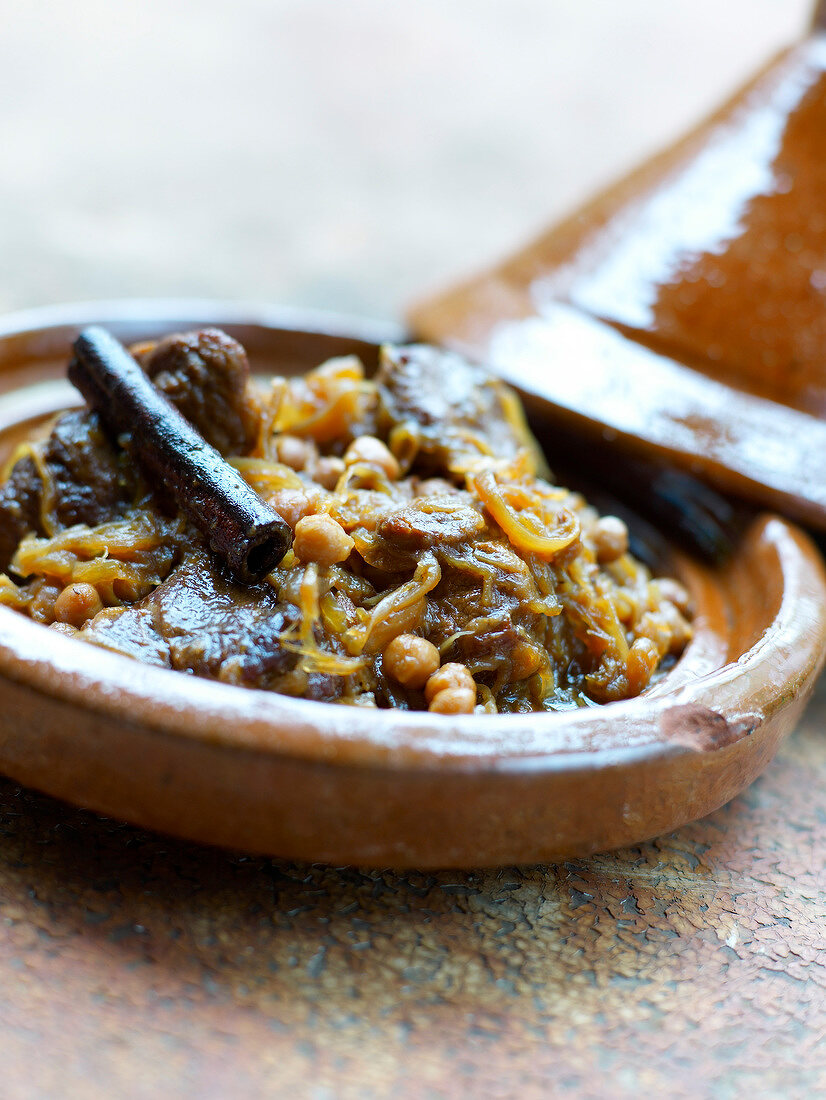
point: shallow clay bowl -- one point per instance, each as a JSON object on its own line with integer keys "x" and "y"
{"x": 302, "y": 779}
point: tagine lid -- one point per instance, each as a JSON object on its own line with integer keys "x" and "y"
{"x": 682, "y": 312}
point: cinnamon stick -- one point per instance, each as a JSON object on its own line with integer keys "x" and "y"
{"x": 243, "y": 531}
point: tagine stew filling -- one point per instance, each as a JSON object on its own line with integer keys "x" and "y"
{"x": 434, "y": 563}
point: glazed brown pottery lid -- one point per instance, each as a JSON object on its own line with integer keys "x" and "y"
{"x": 683, "y": 311}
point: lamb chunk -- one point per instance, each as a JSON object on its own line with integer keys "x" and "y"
{"x": 431, "y": 522}
{"x": 196, "y": 620}
{"x": 201, "y": 622}
{"x": 131, "y": 631}
{"x": 19, "y": 508}
{"x": 490, "y": 648}
{"x": 91, "y": 483}
{"x": 322, "y": 688}
{"x": 457, "y": 411}
{"x": 208, "y": 620}
{"x": 206, "y": 375}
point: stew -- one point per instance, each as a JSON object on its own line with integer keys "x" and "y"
{"x": 434, "y": 564}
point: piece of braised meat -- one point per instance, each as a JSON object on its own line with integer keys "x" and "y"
{"x": 206, "y": 375}
{"x": 200, "y": 621}
{"x": 456, "y": 411}
{"x": 19, "y": 508}
{"x": 89, "y": 482}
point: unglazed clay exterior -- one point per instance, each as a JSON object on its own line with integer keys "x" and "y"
{"x": 266, "y": 773}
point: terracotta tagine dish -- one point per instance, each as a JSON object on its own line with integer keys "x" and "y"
{"x": 303, "y": 778}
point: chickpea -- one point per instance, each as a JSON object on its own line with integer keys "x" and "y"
{"x": 678, "y": 628}
{"x": 453, "y": 701}
{"x": 410, "y": 660}
{"x": 372, "y": 451}
{"x": 327, "y": 471}
{"x": 447, "y": 678}
{"x": 319, "y": 538}
{"x": 610, "y": 537}
{"x": 77, "y": 603}
{"x": 293, "y": 504}
{"x": 292, "y": 451}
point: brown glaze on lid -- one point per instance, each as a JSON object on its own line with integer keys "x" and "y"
{"x": 714, "y": 254}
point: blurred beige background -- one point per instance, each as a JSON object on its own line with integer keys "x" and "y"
{"x": 348, "y": 155}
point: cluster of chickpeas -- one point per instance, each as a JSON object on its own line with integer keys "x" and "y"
{"x": 415, "y": 662}
{"x": 302, "y": 455}
{"x": 410, "y": 660}
{"x": 318, "y": 537}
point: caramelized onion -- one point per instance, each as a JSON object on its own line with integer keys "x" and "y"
{"x": 518, "y": 527}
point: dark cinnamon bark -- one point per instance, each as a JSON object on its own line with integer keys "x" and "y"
{"x": 240, "y": 528}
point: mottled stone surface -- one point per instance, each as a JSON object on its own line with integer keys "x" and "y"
{"x": 695, "y": 965}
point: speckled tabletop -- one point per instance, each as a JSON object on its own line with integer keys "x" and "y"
{"x": 331, "y": 155}
{"x": 137, "y": 966}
